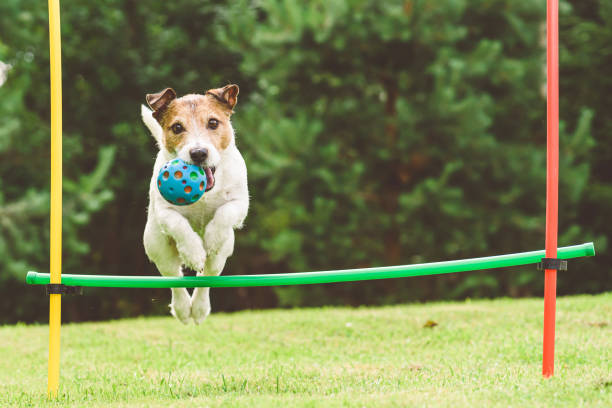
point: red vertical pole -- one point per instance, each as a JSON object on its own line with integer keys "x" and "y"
{"x": 552, "y": 183}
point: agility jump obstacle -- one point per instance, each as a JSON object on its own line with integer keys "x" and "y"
{"x": 311, "y": 278}
{"x": 551, "y": 259}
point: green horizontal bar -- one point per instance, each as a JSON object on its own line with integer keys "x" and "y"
{"x": 309, "y": 278}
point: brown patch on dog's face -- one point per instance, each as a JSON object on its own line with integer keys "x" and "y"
{"x": 193, "y": 118}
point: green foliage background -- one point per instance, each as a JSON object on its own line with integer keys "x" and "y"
{"x": 375, "y": 133}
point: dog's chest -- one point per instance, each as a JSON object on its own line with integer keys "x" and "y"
{"x": 203, "y": 211}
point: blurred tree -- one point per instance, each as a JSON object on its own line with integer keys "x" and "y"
{"x": 398, "y": 132}
{"x": 374, "y": 132}
{"x": 585, "y": 59}
{"x": 24, "y": 151}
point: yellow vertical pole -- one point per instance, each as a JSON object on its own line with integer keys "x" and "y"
{"x": 55, "y": 300}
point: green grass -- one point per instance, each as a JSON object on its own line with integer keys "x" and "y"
{"x": 481, "y": 353}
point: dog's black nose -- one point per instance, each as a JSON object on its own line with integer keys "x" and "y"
{"x": 198, "y": 155}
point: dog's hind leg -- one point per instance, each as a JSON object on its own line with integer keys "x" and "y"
{"x": 200, "y": 300}
{"x": 200, "y": 304}
{"x": 162, "y": 251}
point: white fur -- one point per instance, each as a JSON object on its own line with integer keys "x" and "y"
{"x": 201, "y": 235}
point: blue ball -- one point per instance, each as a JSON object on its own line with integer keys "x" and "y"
{"x": 181, "y": 183}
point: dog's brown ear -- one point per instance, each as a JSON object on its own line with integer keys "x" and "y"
{"x": 160, "y": 101}
{"x": 228, "y": 95}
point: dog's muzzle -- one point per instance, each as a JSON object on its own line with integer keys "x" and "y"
{"x": 199, "y": 155}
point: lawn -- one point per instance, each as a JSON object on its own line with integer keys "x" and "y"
{"x": 480, "y": 353}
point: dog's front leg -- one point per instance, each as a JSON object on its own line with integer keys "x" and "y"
{"x": 162, "y": 251}
{"x": 219, "y": 243}
{"x": 188, "y": 243}
{"x": 221, "y": 228}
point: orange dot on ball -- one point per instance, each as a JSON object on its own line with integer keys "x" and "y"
{"x": 166, "y": 175}
{"x": 188, "y": 189}
{"x": 201, "y": 186}
{"x": 181, "y": 200}
{"x": 178, "y": 174}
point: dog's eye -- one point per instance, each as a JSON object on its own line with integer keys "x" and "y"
{"x": 213, "y": 123}
{"x": 177, "y": 128}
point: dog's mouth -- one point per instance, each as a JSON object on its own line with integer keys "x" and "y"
{"x": 210, "y": 177}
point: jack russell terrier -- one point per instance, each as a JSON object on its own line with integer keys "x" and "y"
{"x": 197, "y": 129}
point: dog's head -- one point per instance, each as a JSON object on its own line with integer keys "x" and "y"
{"x": 196, "y": 128}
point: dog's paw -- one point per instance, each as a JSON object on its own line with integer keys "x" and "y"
{"x": 181, "y": 309}
{"x": 200, "y": 310}
{"x": 193, "y": 256}
{"x": 182, "y": 315}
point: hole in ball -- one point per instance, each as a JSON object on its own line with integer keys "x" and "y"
{"x": 178, "y": 174}
{"x": 195, "y": 197}
{"x": 193, "y": 175}
{"x": 188, "y": 189}
{"x": 166, "y": 175}
{"x": 202, "y": 186}
{"x": 181, "y": 200}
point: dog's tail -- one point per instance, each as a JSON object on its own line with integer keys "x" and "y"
{"x": 154, "y": 127}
